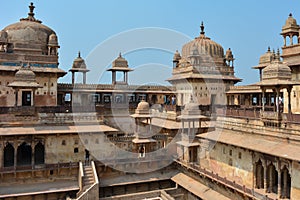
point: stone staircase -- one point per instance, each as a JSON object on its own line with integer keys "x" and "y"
{"x": 88, "y": 178}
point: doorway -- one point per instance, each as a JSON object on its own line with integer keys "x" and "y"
{"x": 26, "y": 98}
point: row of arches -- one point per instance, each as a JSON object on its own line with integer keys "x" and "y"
{"x": 273, "y": 180}
{"x": 24, "y": 154}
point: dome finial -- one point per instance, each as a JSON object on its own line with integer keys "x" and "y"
{"x": 278, "y": 55}
{"x": 31, "y": 9}
{"x": 31, "y": 14}
{"x": 290, "y": 15}
{"x": 120, "y": 55}
{"x": 79, "y": 56}
{"x": 269, "y": 49}
{"x": 202, "y": 29}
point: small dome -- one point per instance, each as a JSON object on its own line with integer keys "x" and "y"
{"x": 177, "y": 56}
{"x": 266, "y": 58}
{"x": 24, "y": 78}
{"x": 143, "y": 105}
{"x": 120, "y": 62}
{"x": 3, "y": 36}
{"x": 25, "y": 74}
{"x": 277, "y": 71}
{"x": 79, "y": 62}
{"x": 291, "y": 21}
{"x": 53, "y": 41}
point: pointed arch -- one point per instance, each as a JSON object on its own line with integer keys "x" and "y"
{"x": 9, "y": 154}
{"x": 259, "y": 175}
{"x": 39, "y": 154}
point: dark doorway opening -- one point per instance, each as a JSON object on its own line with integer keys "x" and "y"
{"x": 9, "y": 154}
{"x": 24, "y": 154}
{"x": 39, "y": 154}
{"x": 26, "y": 98}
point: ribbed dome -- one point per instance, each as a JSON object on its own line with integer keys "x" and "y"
{"x": 24, "y": 78}
{"x": 79, "y": 62}
{"x": 29, "y": 33}
{"x": 267, "y": 57}
{"x": 25, "y": 74}
{"x": 204, "y": 45}
{"x": 277, "y": 71}
{"x": 120, "y": 62}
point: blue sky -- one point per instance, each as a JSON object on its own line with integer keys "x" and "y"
{"x": 247, "y": 27}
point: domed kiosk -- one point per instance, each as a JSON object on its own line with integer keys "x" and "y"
{"x": 202, "y": 62}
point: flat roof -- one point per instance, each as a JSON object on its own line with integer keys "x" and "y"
{"x": 254, "y": 143}
{"x": 6, "y": 131}
{"x": 197, "y": 188}
{"x": 27, "y": 189}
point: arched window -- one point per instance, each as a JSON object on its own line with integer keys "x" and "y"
{"x": 39, "y": 154}
{"x": 24, "y": 154}
{"x": 9, "y": 153}
{"x": 259, "y": 175}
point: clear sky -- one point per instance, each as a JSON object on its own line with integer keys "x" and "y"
{"x": 247, "y": 27}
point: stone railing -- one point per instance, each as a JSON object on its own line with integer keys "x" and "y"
{"x": 250, "y": 193}
{"x": 93, "y": 191}
{"x": 80, "y": 176}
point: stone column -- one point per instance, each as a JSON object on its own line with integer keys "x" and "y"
{"x": 15, "y": 156}
{"x": 271, "y": 180}
{"x": 254, "y": 175}
{"x": 284, "y": 192}
{"x": 277, "y": 99}
{"x": 291, "y": 39}
{"x": 84, "y": 78}
{"x": 33, "y": 97}
{"x": 73, "y": 78}
{"x": 289, "y": 90}
{"x": 32, "y": 153}
{"x": 279, "y": 184}
{"x": 265, "y": 176}
{"x": 284, "y": 41}
{"x": 263, "y": 99}
{"x": 16, "y": 99}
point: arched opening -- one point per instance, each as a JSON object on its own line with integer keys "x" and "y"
{"x": 9, "y": 153}
{"x": 272, "y": 179}
{"x": 295, "y": 39}
{"x": 285, "y": 183}
{"x": 259, "y": 175}
{"x": 24, "y": 154}
{"x": 39, "y": 154}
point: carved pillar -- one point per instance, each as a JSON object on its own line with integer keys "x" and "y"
{"x": 284, "y": 44}
{"x": 254, "y": 175}
{"x": 15, "y": 156}
{"x": 279, "y": 183}
{"x": 265, "y": 176}
{"x": 284, "y": 192}
{"x": 16, "y": 99}
{"x": 277, "y": 99}
{"x": 263, "y": 99}
{"x": 289, "y": 90}
{"x": 291, "y": 39}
